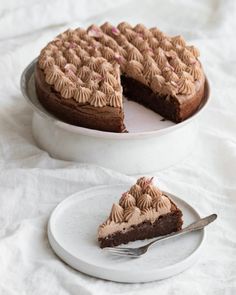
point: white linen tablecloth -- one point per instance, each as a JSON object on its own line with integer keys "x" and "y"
{"x": 32, "y": 183}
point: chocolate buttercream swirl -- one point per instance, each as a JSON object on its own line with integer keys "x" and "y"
{"x": 134, "y": 54}
{"x": 144, "y": 181}
{"x": 153, "y": 191}
{"x": 187, "y": 75}
{"x": 130, "y": 34}
{"x": 177, "y": 64}
{"x": 132, "y": 213}
{"x": 194, "y": 50}
{"x": 155, "y": 31}
{"x": 94, "y": 31}
{"x": 82, "y": 53}
{"x": 185, "y": 86}
{"x": 91, "y": 63}
{"x": 160, "y": 58}
{"x": 75, "y": 60}
{"x": 162, "y": 203}
{"x": 110, "y": 79}
{"x": 106, "y": 88}
{"x": 160, "y": 36}
{"x": 46, "y": 61}
{"x": 195, "y": 71}
{"x": 82, "y": 94}
{"x": 170, "y": 88}
{"x": 123, "y": 26}
{"x": 127, "y": 200}
{"x": 75, "y": 39}
{"x": 136, "y": 191}
{"x": 169, "y": 75}
{"x": 98, "y": 99}
{"x": 71, "y": 75}
{"x": 105, "y": 224}
{"x": 96, "y": 77}
{"x": 157, "y": 83}
{"x": 60, "y": 83}
{"x": 106, "y": 27}
{"x": 140, "y": 28}
{"x": 80, "y": 32}
{"x": 115, "y": 31}
{"x": 57, "y": 42}
{"x": 144, "y": 47}
{"x": 187, "y": 57}
{"x": 92, "y": 85}
{"x": 144, "y": 201}
{"x": 138, "y": 41}
{"x": 52, "y": 47}
{"x": 108, "y": 53}
{"x": 178, "y": 40}
{"x": 150, "y": 68}
{"x": 68, "y": 89}
{"x": 53, "y": 73}
{"x": 154, "y": 43}
{"x": 83, "y": 72}
{"x": 95, "y": 52}
{"x": 101, "y": 63}
{"x": 115, "y": 99}
{"x": 150, "y": 214}
{"x": 111, "y": 43}
{"x": 134, "y": 69}
{"x": 166, "y": 45}
{"x": 60, "y": 60}
{"x": 70, "y": 67}
{"x": 79, "y": 82}
{"x": 116, "y": 72}
{"x": 117, "y": 213}
{"x": 87, "y": 78}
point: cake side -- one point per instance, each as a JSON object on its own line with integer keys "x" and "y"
{"x": 68, "y": 110}
{"x": 143, "y": 212}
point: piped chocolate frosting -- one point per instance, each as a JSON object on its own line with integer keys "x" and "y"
{"x": 86, "y": 65}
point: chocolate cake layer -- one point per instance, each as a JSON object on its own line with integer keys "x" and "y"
{"x": 167, "y": 106}
{"x": 68, "y": 110}
{"x": 164, "y": 225}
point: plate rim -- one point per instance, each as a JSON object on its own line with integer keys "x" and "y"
{"x": 98, "y": 271}
{"x": 24, "y": 82}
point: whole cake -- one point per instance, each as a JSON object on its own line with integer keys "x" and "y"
{"x": 81, "y": 75}
{"x": 143, "y": 212}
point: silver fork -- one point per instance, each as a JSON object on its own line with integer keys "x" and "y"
{"x": 137, "y": 252}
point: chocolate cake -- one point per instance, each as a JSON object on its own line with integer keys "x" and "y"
{"x": 81, "y": 75}
{"x": 143, "y": 212}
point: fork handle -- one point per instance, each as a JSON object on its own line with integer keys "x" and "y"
{"x": 201, "y": 223}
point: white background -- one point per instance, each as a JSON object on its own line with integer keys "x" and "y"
{"x": 32, "y": 183}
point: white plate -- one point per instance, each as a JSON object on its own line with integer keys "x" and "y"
{"x": 72, "y": 233}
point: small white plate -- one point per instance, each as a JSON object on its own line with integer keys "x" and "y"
{"x": 72, "y": 233}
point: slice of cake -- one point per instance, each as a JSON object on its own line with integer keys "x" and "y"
{"x": 143, "y": 212}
